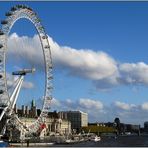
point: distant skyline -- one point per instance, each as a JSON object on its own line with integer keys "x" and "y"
{"x": 99, "y": 52}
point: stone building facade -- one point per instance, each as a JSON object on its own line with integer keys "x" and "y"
{"x": 54, "y": 124}
{"x": 78, "y": 119}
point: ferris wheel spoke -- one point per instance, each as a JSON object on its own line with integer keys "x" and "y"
{"x": 18, "y": 12}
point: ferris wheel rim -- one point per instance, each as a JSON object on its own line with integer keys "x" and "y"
{"x": 12, "y": 16}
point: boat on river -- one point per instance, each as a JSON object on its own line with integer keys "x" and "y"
{"x": 96, "y": 139}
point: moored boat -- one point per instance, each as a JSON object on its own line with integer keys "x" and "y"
{"x": 96, "y": 139}
{"x": 4, "y": 144}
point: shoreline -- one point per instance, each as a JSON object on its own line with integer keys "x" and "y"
{"x": 106, "y": 141}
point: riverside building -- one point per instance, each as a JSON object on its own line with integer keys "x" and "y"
{"x": 78, "y": 119}
{"x": 53, "y": 124}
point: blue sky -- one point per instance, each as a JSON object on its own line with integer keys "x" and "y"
{"x": 118, "y": 29}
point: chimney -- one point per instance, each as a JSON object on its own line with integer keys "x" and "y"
{"x": 27, "y": 110}
{"x": 23, "y": 110}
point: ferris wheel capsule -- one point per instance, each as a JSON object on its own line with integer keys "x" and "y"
{"x": 1, "y": 32}
{"x": 45, "y": 37}
{"x": 13, "y": 8}
{"x": 18, "y": 12}
{"x": 1, "y": 45}
{"x": 1, "y": 91}
{"x": 4, "y": 22}
{"x": 9, "y": 13}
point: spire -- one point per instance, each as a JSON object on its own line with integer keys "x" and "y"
{"x": 33, "y": 103}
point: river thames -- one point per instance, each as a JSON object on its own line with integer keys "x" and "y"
{"x": 121, "y": 141}
{"x": 106, "y": 141}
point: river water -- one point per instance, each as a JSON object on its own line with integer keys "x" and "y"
{"x": 121, "y": 141}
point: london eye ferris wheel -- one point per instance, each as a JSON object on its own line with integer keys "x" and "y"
{"x": 7, "y": 100}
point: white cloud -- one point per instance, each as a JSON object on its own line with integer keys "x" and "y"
{"x": 97, "y": 111}
{"x": 25, "y": 49}
{"x": 55, "y": 103}
{"x": 94, "y": 108}
{"x": 124, "y": 106}
{"x": 11, "y": 81}
{"x": 85, "y": 104}
{"x": 85, "y": 63}
{"x": 82, "y": 62}
{"x": 69, "y": 101}
{"x": 144, "y": 106}
{"x": 27, "y": 85}
{"x": 106, "y": 83}
{"x": 99, "y": 67}
{"x": 90, "y": 104}
{"x": 134, "y": 73}
{"x": 128, "y": 113}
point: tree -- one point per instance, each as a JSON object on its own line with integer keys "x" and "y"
{"x": 117, "y": 122}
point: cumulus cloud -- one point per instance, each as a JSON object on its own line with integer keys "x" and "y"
{"x": 127, "y": 74}
{"x": 134, "y": 73}
{"x": 99, "y": 112}
{"x": 89, "y": 104}
{"x": 55, "y": 103}
{"x": 144, "y": 106}
{"x": 99, "y": 67}
{"x": 11, "y": 81}
{"x": 106, "y": 83}
{"x": 93, "y": 107}
{"x": 83, "y": 62}
{"x": 82, "y": 103}
{"x": 124, "y": 106}
{"x": 25, "y": 49}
